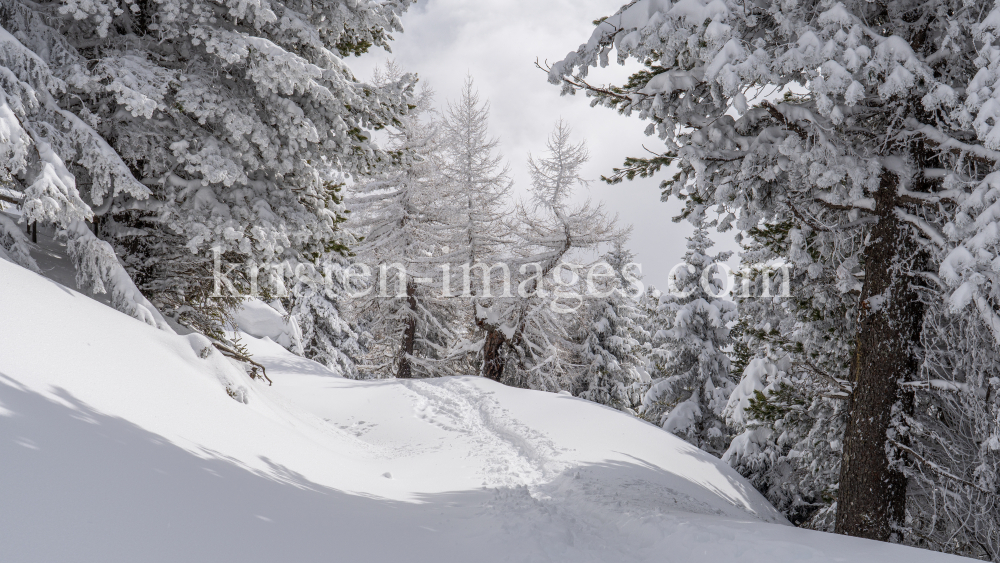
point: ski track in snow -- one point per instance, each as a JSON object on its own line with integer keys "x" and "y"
{"x": 522, "y": 464}
{"x": 514, "y": 454}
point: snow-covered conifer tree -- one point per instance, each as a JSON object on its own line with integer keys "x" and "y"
{"x": 869, "y": 127}
{"x": 648, "y": 304}
{"x": 692, "y": 383}
{"x": 44, "y": 146}
{"x": 477, "y": 177}
{"x": 478, "y": 189}
{"x": 328, "y": 337}
{"x": 793, "y": 342}
{"x": 404, "y": 221}
{"x": 320, "y": 297}
{"x": 527, "y": 342}
{"x": 611, "y": 334}
{"x": 184, "y": 126}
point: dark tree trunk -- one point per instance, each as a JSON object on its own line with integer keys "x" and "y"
{"x": 872, "y": 493}
{"x": 493, "y": 361}
{"x": 405, "y": 369}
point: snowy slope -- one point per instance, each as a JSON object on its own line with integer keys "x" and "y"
{"x": 118, "y": 442}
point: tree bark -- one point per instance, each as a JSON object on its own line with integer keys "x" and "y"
{"x": 405, "y": 369}
{"x": 872, "y": 493}
{"x": 493, "y": 361}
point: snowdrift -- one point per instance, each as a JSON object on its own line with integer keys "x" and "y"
{"x": 120, "y": 442}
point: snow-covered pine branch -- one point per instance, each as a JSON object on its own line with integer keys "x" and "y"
{"x": 189, "y": 125}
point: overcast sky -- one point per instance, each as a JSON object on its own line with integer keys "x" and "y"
{"x": 497, "y": 42}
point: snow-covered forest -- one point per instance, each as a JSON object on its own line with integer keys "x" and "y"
{"x": 223, "y": 249}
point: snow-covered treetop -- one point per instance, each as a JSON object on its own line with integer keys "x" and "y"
{"x": 478, "y": 177}
{"x": 553, "y": 177}
{"x": 556, "y": 226}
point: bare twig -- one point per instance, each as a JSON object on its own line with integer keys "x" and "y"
{"x": 9, "y": 199}
{"x": 236, "y": 355}
{"x": 938, "y": 469}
